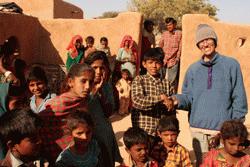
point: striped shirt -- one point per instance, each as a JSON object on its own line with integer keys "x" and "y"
{"x": 147, "y": 105}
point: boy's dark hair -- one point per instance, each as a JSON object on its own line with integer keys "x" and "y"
{"x": 104, "y": 39}
{"x": 147, "y": 23}
{"x": 169, "y": 123}
{"x": 37, "y": 73}
{"x": 233, "y": 128}
{"x": 133, "y": 136}
{"x": 77, "y": 117}
{"x": 97, "y": 55}
{"x": 154, "y": 54}
{"x": 170, "y": 20}
{"x": 18, "y": 124}
{"x": 90, "y": 39}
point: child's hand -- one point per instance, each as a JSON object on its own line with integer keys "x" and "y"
{"x": 169, "y": 103}
{"x": 99, "y": 85}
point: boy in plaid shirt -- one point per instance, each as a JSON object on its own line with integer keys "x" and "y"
{"x": 168, "y": 152}
{"x": 150, "y": 94}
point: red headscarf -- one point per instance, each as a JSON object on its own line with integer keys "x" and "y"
{"x": 72, "y": 47}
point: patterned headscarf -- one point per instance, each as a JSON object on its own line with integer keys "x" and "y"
{"x": 72, "y": 47}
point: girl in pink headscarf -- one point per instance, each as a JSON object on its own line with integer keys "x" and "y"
{"x": 75, "y": 51}
{"x": 127, "y": 55}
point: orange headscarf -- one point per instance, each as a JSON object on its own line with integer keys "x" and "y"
{"x": 72, "y": 47}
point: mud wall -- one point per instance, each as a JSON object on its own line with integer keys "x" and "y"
{"x": 48, "y": 9}
{"x": 62, "y": 30}
{"x": 45, "y": 41}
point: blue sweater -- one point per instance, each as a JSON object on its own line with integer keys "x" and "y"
{"x": 213, "y": 92}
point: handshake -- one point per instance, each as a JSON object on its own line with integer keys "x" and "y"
{"x": 169, "y": 102}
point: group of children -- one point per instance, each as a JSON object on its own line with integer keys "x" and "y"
{"x": 24, "y": 143}
{"x": 72, "y": 129}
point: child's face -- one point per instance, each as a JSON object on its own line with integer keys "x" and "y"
{"x": 37, "y": 87}
{"x": 233, "y": 145}
{"x": 90, "y": 44}
{"x": 82, "y": 85}
{"x": 150, "y": 28}
{"x": 28, "y": 148}
{"x": 152, "y": 66}
{"x": 99, "y": 68}
{"x": 138, "y": 152}
{"x": 104, "y": 44}
{"x": 125, "y": 75}
{"x": 82, "y": 135}
{"x": 169, "y": 138}
{"x": 78, "y": 44}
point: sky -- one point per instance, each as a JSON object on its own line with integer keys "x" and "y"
{"x": 231, "y": 11}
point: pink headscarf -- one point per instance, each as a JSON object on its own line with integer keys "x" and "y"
{"x": 133, "y": 49}
{"x": 72, "y": 47}
{"x": 127, "y": 38}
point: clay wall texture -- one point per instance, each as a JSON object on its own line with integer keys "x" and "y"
{"x": 62, "y": 30}
{"x": 48, "y": 9}
{"x": 45, "y": 41}
{"x": 233, "y": 41}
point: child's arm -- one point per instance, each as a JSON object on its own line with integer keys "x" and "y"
{"x": 140, "y": 100}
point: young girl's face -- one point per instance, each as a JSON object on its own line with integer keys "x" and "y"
{"x": 82, "y": 135}
{"x": 233, "y": 145}
{"x": 37, "y": 87}
{"x": 81, "y": 85}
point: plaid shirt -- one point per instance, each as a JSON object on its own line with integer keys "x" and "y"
{"x": 147, "y": 105}
{"x": 177, "y": 156}
{"x": 171, "y": 45}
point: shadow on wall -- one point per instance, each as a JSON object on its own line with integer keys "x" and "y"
{"x": 32, "y": 42}
{"x": 33, "y": 39}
